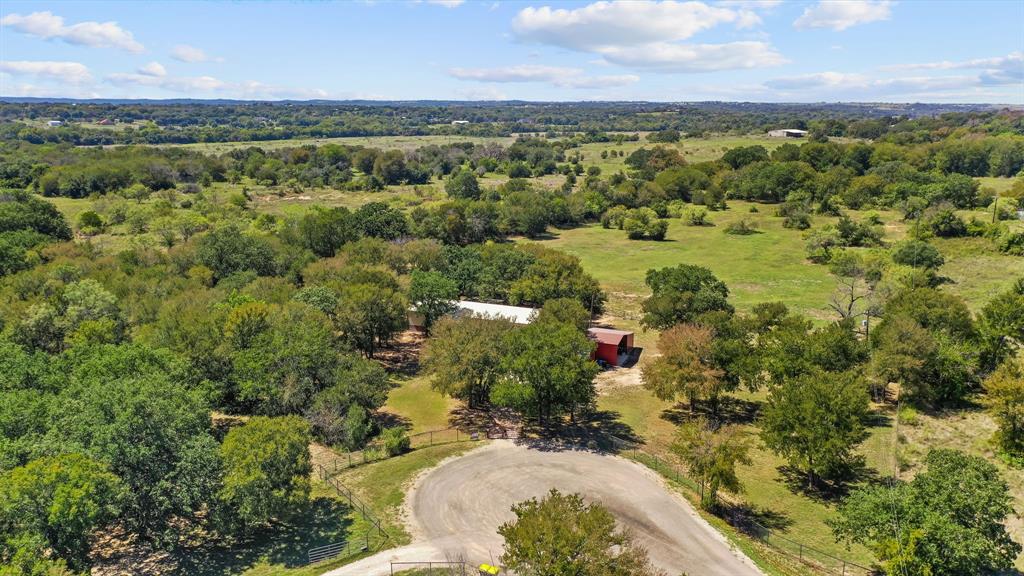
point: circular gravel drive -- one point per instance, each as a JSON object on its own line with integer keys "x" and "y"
{"x": 454, "y": 510}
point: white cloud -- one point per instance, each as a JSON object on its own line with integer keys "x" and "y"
{"x": 199, "y": 86}
{"x": 648, "y": 35}
{"x": 96, "y": 34}
{"x": 447, "y": 3}
{"x": 667, "y": 57}
{"x": 1007, "y": 69}
{"x": 749, "y": 4}
{"x": 861, "y": 85}
{"x": 153, "y": 69}
{"x": 842, "y": 14}
{"x": 191, "y": 54}
{"x": 66, "y": 72}
{"x": 561, "y": 77}
{"x": 618, "y": 23}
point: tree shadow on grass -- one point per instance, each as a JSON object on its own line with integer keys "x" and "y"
{"x": 730, "y": 410}
{"x": 753, "y": 520}
{"x": 600, "y": 431}
{"x": 833, "y": 489}
{"x": 323, "y": 521}
{"x": 391, "y": 420}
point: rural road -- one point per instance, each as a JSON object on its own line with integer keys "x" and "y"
{"x": 454, "y": 510}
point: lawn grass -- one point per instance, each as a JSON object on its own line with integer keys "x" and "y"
{"x": 417, "y": 405}
{"x": 764, "y": 267}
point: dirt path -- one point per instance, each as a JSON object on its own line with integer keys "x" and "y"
{"x": 455, "y": 509}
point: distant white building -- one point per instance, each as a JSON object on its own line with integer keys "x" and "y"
{"x": 54, "y": 123}
{"x": 458, "y": 122}
{"x": 788, "y": 133}
{"x": 469, "y": 308}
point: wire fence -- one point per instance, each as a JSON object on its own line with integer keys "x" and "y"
{"x": 812, "y": 557}
{"x": 375, "y": 451}
{"x": 351, "y": 547}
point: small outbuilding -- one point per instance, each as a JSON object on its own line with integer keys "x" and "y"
{"x": 614, "y": 347}
{"x": 54, "y": 123}
{"x": 469, "y": 308}
{"x": 788, "y": 133}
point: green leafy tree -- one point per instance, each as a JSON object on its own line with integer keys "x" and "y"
{"x": 324, "y": 231}
{"x": 463, "y": 357}
{"x": 566, "y": 311}
{"x": 226, "y": 250}
{"x": 378, "y": 220}
{"x": 681, "y": 294}
{"x": 126, "y": 406}
{"x": 815, "y": 421}
{"x": 547, "y": 370}
{"x": 369, "y": 316}
{"x": 463, "y": 184}
{"x": 62, "y": 499}
{"x": 949, "y": 520}
{"x": 433, "y": 295}
{"x": 266, "y": 469}
{"x": 712, "y": 456}
{"x": 1004, "y": 397}
{"x": 561, "y": 535}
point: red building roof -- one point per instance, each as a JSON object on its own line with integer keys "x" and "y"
{"x": 608, "y": 335}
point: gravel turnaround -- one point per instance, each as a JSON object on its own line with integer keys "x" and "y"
{"x": 454, "y": 510}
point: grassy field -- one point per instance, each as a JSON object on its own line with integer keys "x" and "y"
{"x": 416, "y": 404}
{"x": 693, "y": 150}
{"x": 384, "y": 142}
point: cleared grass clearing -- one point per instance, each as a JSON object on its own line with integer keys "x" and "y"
{"x": 763, "y": 267}
{"x": 406, "y": 143}
{"x": 414, "y": 402}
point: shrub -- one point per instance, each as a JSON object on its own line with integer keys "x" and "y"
{"x": 394, "y": 441}
{"x": 917, "y": 254}
{"x": 696, "y": 216}
{"x": 741, "y": 228}
{"x": 797, "y": 221}
{"x": 946, "y": 224}
{"x": 1012, "y": 244}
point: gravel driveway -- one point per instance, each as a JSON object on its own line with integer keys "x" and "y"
{"x": 454, "y": 510}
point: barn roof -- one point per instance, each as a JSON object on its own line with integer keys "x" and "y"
{"x": 517, "y": 314}
{"x": 607, "y": 335}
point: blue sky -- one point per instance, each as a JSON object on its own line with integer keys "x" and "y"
{"x": 742, "y": 50}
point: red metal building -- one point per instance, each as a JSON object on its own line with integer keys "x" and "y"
{"x": 613, "y": 346}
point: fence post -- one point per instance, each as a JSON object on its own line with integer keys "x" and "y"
{"x": 801, "y": 551}
{"x": 431, "y": 438}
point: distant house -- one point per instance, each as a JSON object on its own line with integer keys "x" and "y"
{"x": 105, "y": 122}
{"x": 54, "y": 123}
{"x": 458, "y": 122}
{"x": 465, "y": 308}
{"x": 788, "y": 133}
{"x": 614, "y": 347}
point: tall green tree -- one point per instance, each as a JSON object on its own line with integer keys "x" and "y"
{"x": 681, "y": 294}
{"x": 712, "y": 455}
{"x": 948, "y": 521}
{"x": 561, "y": 535}
{"x": 463, "y": 357}
{"x": 61, "y": 499}
{"x": 547, "y": 370}
{"x": 815, "y": 421}
{"x": 369, "y": 316}
{"x": 266, "y": 469}
{"x": 1004, "y": 398}
{"x": 433, "y": 295}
